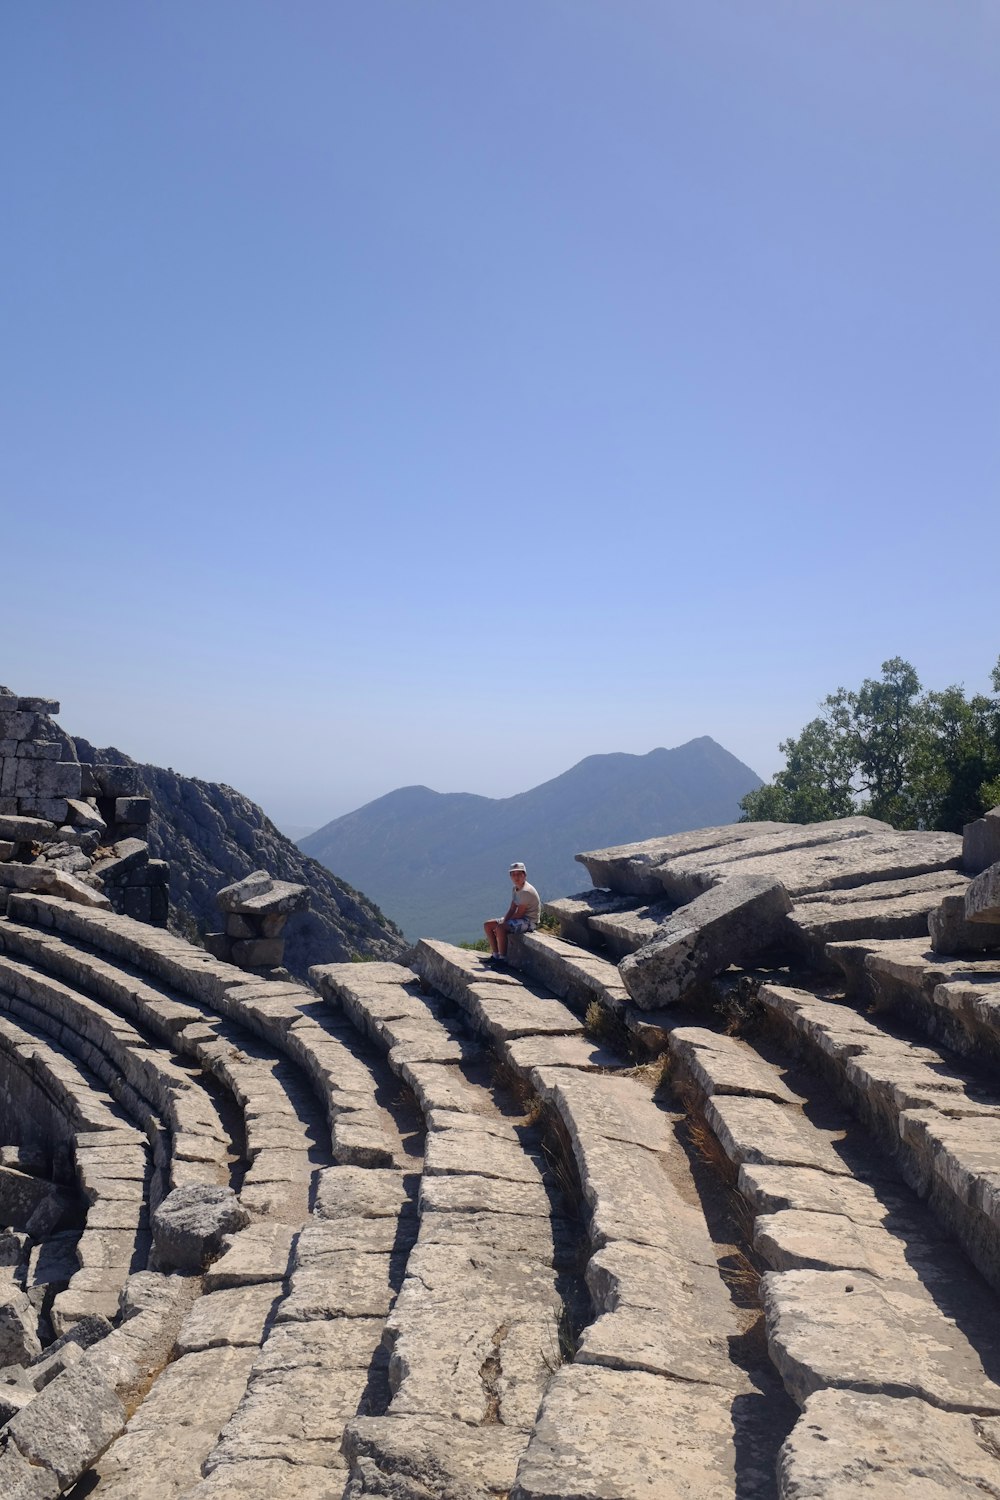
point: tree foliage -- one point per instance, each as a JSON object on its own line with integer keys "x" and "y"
{"x": 914, "y": 758}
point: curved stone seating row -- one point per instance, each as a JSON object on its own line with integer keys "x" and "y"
{"x": 113, "y": 1166}
{"x": 582, "y": 978}
{"x": 219, "y": 1349}
{"x": 150, "y": 1087}
{"x": 954, "y": 999}
{"x": 653, "y": 1395}
{"x": 283, "y": 1015}
{"x": 474, "y": 1332}
{"x": 876, "y": 1323}
{"x": 942, "y": 1124}
{"x": 273, "y": 1155}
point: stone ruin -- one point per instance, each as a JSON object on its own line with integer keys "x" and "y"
{"x": 699, "y": 1197}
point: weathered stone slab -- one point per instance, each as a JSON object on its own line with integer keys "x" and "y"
{"x": 982, "y": 897}
{"x": 553, "y": 1242}
{"x": 846, "y": 1329}
{"x": 18, "y": 1328}
{"x": 631, "y": 869}
{"x": 847, "y": 1445}
{"x": 797, "y": 1240}
{"x": 758, "y": 1130}
{"x": 619, "y": 1109}
{"x": 259, "y": 1253}
{"x": 161, "y": 1450}
{"x": 951, "y": 932}
{"x": 459, "y": 1308}
{"x": 411, "y": 1457}
{"x": 362, "y": 1192}
{"x": 508, "y": 1011}
{"x": 770, "y": 1189}
{"x": 624, "y": 931}
{"x": 659, "y": 1313}
{"x": 886, "y": 909}
{"x": 22, "y": 1480}
{"x": 268, "y": 1479}
{"x": 576, "y": 974}
{"x": 235, "y": 1316}
{"x": 724, "y": 1065}
{"x": 190, "y": 1224}
{"x": 631, "y": 1436}
{"x": 464, "y": 1150}
{"x": 293, "y": 1414}
{"x": 732, "y": 923}
{"x": 981, "y": 843}
{"x": 814, "y": 857}
{"x": 573, "y": 913}
{"x": 527, "y": 1052}
{"x": 470, "y": 1193}
{"x": 69, "y": 1423}
{"x": 347, "y": 1284}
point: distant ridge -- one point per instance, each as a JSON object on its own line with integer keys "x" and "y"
{"x": 436, "y": 862}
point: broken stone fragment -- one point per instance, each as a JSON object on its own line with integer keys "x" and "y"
{"x": 190, "y": 1224}
{"x": 19, "y": 1340}
{"x": 982, "y": 896}
{"x": 981, "y": 843}
{"x": 730, "y": 924}
{"x": 952, "y": 933}
{"x": 231, "y": 897}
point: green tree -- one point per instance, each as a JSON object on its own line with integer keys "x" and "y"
{"x": 914, "y": 759}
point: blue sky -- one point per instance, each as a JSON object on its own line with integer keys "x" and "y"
{"x": 442, "y": 392}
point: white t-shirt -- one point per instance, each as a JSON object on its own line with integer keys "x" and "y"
{"x": 529, "y": 897}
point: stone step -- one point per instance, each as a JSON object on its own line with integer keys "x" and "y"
{"x": 624, "y": 932}
{"x": 884, "y": 909}
{"x": 287, "y": 1017}
{"x": 865, "y": 1298}
{"x": 475, "y": 1329}
{"x": 633, "y": 869}
{"x": 149, "y": 1084}
{"x": 954, "y": 1000}
{"x": 111, "y": 1158}
{"x": 573, "y": 913}
{"x": 656, "y": 1361}
{"x": 941, "y": 1123}
{"x": 583, "y": 978}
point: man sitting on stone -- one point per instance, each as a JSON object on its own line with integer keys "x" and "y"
{"x": 521, "y": 915}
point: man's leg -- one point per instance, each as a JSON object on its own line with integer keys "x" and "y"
{"x": 492, "y": 931}
{"x": 501, "y": 939}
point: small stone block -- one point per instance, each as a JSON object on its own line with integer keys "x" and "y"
{"x": 132, "y": 809}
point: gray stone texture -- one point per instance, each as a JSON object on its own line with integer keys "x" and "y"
{"x": 190, "y": 1225}
{"x": 631, "y": 869}
{"x": 981, "y": 843}
{"x": 732, "y": 923}
{"x": 952, "y": 932}
{"x": 982, "y": 897}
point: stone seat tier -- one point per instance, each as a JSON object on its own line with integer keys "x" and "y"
{"x": 867, "y": 1306}
{"x": 884, "y": 909}
{"x": 150, "y": 1086}
{"x": 582, "y": 978}
{"x": 653, "y": 1393}
{"x": 941, "y": 1123}
{"x": 113, "y": 1167}
{"x": 955, "y": 1000}
{"x": 278, "y": 1126}
{"x": 287, "y": 1017}
{"x": 475, "y": 1329}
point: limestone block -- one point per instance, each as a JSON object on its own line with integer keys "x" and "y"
{"x": 350, "y": 1192}
{"x": 630, "y": 1435}
{"x": 732, "y": 923}
{"x": 952, "y": 933}
{"x": 982, "y": 898}
{"x": 39, "y": 749}
{"x": 573, "y": 913}
{"x": 7, "y": 850}
{"x": 21, "y": 1196}
{"x": 190, "y": 1224}
{"x": 219, "y": 945}
{"x": 16, "y": 724}
{"x": 83, "y": 814}
{"x": 118, "y": 781}
{"x": 69, "y": 1423}
{"x": 426, "y": 1455}
{"x": 273, "y": 926}
{"x": 258, "y": 953}
{"x": 128, "y": 853}
{"x": 239, "y": 927}
{"x": 847, "y": 1445}
{"x": 631, "y": 869}
{"x": 230, "y": 898}
{"x": 18, "y": 1328}
{"x": 21, "y": 1480}
{"x": 132, "y": 809}
{"x": 981, "y": 843}
{"x": 53, "y": 808}
{"x": 25, "y": 830}
{"x": 235, "y": 1316}
{"x": 852, "y": 1330}
{"x": 47, "y": 706}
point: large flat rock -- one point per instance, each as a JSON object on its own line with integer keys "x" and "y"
{"x": 849, "y": 1330}
{"x": 729, "y": 924}
{"x": 631, "y": 869}
{"x": 414, "y": 1458}
{"x": 607, "y": 1434}
{"x": 759, "y": 1130}
{"x": 851, "y": 1446}
{"x": 724, "y": 1065}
